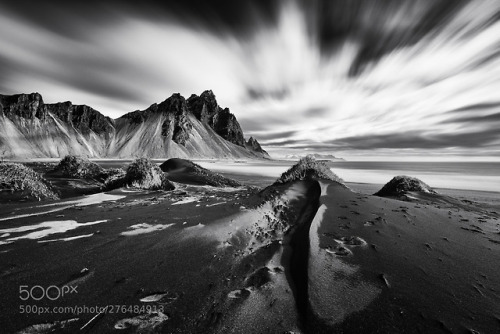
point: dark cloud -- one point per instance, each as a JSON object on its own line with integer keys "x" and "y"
{"x": 329, "y": 21}
{"x": 267, "y": 123}
{"x": 5, "y": 70}
{"x": 285, "y": 142}
{"x": 256, "y": 93}
{"x": 85, "y": 69}
{"x": 476, "y": 119}
{"x": 369, "y": 22}
{"x": 477, "y": 107}
{"x": 413, "y": 140}
{"x": 254, "y": 124}
{"x": 70, "y": 18}
{"x": 276, "y": 135}
{"x": 416, "y": 140}
{"x": 73, "y": 45}
{"x": 101, "y": 75}
{"x": 316, "y": 111}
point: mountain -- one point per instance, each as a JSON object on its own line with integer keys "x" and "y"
{"x": 316, "y": 156}
{"x": 193, "y": 128}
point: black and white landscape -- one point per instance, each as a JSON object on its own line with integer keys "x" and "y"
{"x": 250, "y": 166}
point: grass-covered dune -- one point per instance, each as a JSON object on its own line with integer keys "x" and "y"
{"x": 185, "y": 171}
{"x": 20, "y": 182}
{"x": 308, "y": 168}
{"x": 80, "y": 167}
{"x": 402, "y": 184}
{"x": 142, "y": 173}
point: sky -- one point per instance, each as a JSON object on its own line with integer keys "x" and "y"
{"x": 360, "y": 79}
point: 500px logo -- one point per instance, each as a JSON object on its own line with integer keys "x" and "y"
{"x": 52, "y": 292}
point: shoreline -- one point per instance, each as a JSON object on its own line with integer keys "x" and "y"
{"x": 266, "y": 171}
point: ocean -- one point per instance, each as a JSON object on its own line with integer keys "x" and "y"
{"x": 483, "y": 176}
{"x": 477, "y": 176}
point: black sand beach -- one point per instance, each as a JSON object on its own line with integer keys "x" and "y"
{"x": 304, "y": 257}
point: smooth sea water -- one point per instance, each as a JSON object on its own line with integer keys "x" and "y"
{"x": 483, "y": 176}
{"x": 477, "y": 176}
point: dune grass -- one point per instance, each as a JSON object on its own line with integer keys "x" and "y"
{"x": 401, "y": 184}
{"x": 188, "y": 170}
{"x": 79, "y": 167}
{"x": 142, "y": 173}
{"x": 24, "y": 181}
{"x": 307, "y": 168}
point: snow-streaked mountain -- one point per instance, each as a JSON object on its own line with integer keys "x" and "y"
{"x": 176, "y": 127}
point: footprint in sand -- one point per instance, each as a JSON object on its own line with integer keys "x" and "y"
{"x": 161, "y": 297}
{"x": 339, "y": 250}
{"x": 240, "y": 293}
{"x": 353, "y": 241}
{"x": 278, "y": 270}
{"x": 380, "y": 220}
{"x": 384, "y": 279}
{"x": 258, "y": 278}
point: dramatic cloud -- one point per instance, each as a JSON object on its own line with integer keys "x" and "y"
{"x": 419, "y": 140}
{"x": 349, "y": 77}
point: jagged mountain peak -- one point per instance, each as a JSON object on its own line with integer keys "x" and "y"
{"x": 35, "y": 96}
{"x": 208, "y": 94}
{"x": 175, "y": 103}
{"x": 252, "y": 141}
{"x": 22, "y": 105}
{"x": 254, "y": 145}
{"x": 206, "y": 109}
{"x": 31, "y": 106}
{"x": 226, "y": 126}
{"x": 176, "y": 127}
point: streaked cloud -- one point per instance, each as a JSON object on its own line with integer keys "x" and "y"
{"x": 332, "y": 76}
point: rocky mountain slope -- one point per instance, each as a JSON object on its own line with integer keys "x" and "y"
{"x": 194, "y": 128}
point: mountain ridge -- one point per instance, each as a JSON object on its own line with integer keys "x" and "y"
{"x": 317, "y": 156}
{"x": 194, "y": 128}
